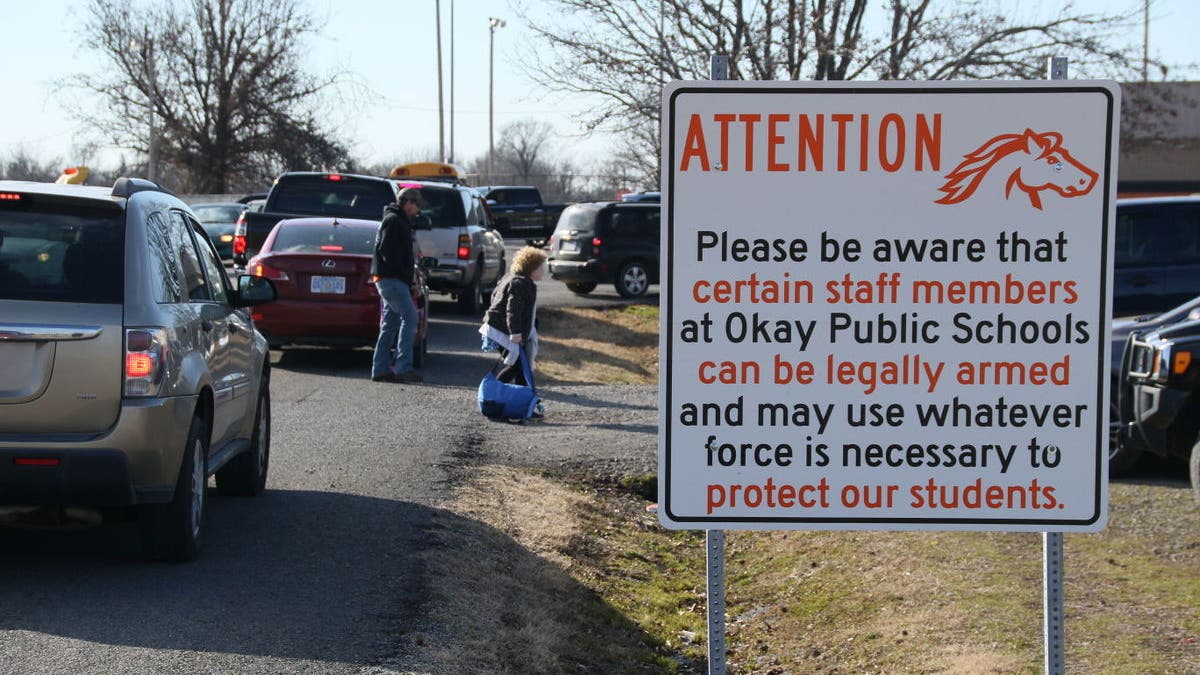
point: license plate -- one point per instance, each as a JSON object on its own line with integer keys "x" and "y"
{"x": 569, "y": 247}
{"x": 328, "y": 285}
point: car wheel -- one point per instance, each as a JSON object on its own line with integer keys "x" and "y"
{"x": 470, "y": 299}
{"x": 246, "y": 474}
{"x": 1121, "y": 457}
{"x": 581, "y": 287}
{"x": 632, "y": 280}
{"x": 171, "y": 531}
{"x": 1194, "y": 470}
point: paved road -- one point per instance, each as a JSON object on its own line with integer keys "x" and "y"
{"x": 322, "y": 574}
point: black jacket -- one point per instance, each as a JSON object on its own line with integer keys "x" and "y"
{"x": 511, "y": 311}
{"x": 394, "y": 245}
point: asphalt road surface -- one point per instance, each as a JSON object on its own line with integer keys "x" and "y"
{"x": 321, "y": 574}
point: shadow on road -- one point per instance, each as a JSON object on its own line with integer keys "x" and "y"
{"x": 318, "y": 576}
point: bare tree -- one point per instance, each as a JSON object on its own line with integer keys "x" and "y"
{"x": 231, "y": 103}
{"x": 623, "y": 51}
{"x": 522, "y": 146}
{"x": 23, "y": 166}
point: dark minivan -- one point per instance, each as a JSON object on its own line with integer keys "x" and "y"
{"x": 1157, "y": 254}
{"x": 606, "y": 242}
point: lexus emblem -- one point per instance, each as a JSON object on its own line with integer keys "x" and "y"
{"x": 328, "y": 263}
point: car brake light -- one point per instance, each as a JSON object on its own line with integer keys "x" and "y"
{"x": 256, "y": 316}
{"x": 145, "y": 359}
{"x": 239, "y": 244}
{"x": 37, "y": 461}
{"x": 464, "y": 246}
{"x": 268, "y": 272}
{"x": 334, "y": 176}
{"x": 596, "y": 243}
{"x": 331, "y": 248}
{"x": 9, "y": 197}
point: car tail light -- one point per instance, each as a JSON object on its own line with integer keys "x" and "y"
{"x": 37, "y": 461}
{"x": 550, "y": 243}
{"x": 9, "y": 197}
{"x": 268, "y": 272}
{"x": 334, "y": 176}
{"x": 239, "y": 236}
{"x": 332, "y": 248}
{"x": 145, "y": 360}
{"x": 464, "y": 246}
{"x": 596, "y": 243}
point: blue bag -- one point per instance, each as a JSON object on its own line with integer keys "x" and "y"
{"x": 503, "y": 401}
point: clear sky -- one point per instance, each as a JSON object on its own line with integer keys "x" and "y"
{"x": 388, "y": 50}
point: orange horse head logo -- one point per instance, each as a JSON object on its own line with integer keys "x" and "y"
{"x": 1029, "y": 161}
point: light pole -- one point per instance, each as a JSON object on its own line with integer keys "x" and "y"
{"x": 151, "y": 147}
{"x": 493, "y": 24}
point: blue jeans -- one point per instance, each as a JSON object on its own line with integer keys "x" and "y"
{"x": 397, "y": 326}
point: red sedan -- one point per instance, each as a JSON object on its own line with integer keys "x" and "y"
{"x": 321, "y": 268}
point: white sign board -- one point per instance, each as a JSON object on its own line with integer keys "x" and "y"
{"x": 886, "y": 305}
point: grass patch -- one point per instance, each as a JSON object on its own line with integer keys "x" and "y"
{"x": 598, "y": 346}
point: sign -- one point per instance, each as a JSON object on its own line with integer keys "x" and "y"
{"x": 886, "y": 305}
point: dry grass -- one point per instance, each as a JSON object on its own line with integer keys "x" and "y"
{"x": 589, "y": 346}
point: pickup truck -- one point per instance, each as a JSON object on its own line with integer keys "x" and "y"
{"x": 520, "y": 212}
{"x": 453, "y": 226}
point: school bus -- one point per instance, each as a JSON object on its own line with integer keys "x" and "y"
{"x": 438, "y": 171}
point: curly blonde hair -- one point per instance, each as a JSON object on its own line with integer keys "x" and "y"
{"x": 527, "y": 260}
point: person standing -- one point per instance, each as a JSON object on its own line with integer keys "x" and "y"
{"x": 393, "y": 267}
{"x": 510, "y": 321}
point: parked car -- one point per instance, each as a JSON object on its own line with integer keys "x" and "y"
{"x": 1122, "y": 457}
{"x": 322, "y": 269}
{"x": 1157, "y": 254}
{"x": 520, "y": 211}
{"x": 1158, "y": 395}
{"x": 642, "y": 197}
{"x": 303, "y": 193}
{"x": 606, "y": 242}
{"x": 219, "y": 220}
{"x": 455, "y": 228}
{"x": 131, "y": 370}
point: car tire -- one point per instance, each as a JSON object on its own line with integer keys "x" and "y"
{"x": 470, "y": 299}
{"x": 246, "y": 474}
{"x": 581, "y": 287}
{"x": 1194, "y": 470}
{"x": 1122, "y": 459}
{"x": 632, "y": 279}
{"x": 171, "y": 531}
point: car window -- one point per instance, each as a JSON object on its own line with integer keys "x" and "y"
{"x": 627, "y": 222}
{"x": 294, "y": 238}
{"x": 650, "y": 223}
{"x": 213, "y": 270}
{"x": 443, "y": 207}
{"x": 218, "y": 213}
{"x": 1139, "y": 229}
{"x": 195, "y": 286}
{"x": 346, "y": 197}
{"x": 515, "y": 197}
{"x": 576, "y": 218}
{"x": 1184, "y": 234}
{"x": 61, "y": 253}
{"x": 165, "y": 276}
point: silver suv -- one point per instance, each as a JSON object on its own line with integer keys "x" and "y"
{"x": 129, "y": 372}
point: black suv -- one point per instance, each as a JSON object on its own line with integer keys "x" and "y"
{"x": 1157, "y": 253}
{"x": 1158, "y": 397}
{"x": 606, "y": 242}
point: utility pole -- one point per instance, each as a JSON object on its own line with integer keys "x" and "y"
{"x": 1145, "y": 40}
{"x": 493, "y": 24}
{"x": 451, "y": 158}
{"x": 441, "y": 108}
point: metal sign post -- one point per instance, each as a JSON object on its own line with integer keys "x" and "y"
{"x": 714, "y": 544}
{"x": 1052, "y": 542}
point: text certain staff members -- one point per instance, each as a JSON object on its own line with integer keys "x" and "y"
{"x": 884, "y": 288}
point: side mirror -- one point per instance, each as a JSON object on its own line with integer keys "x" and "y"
{"x": 427, "y": 263}
{"x": 254, "y": 291}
